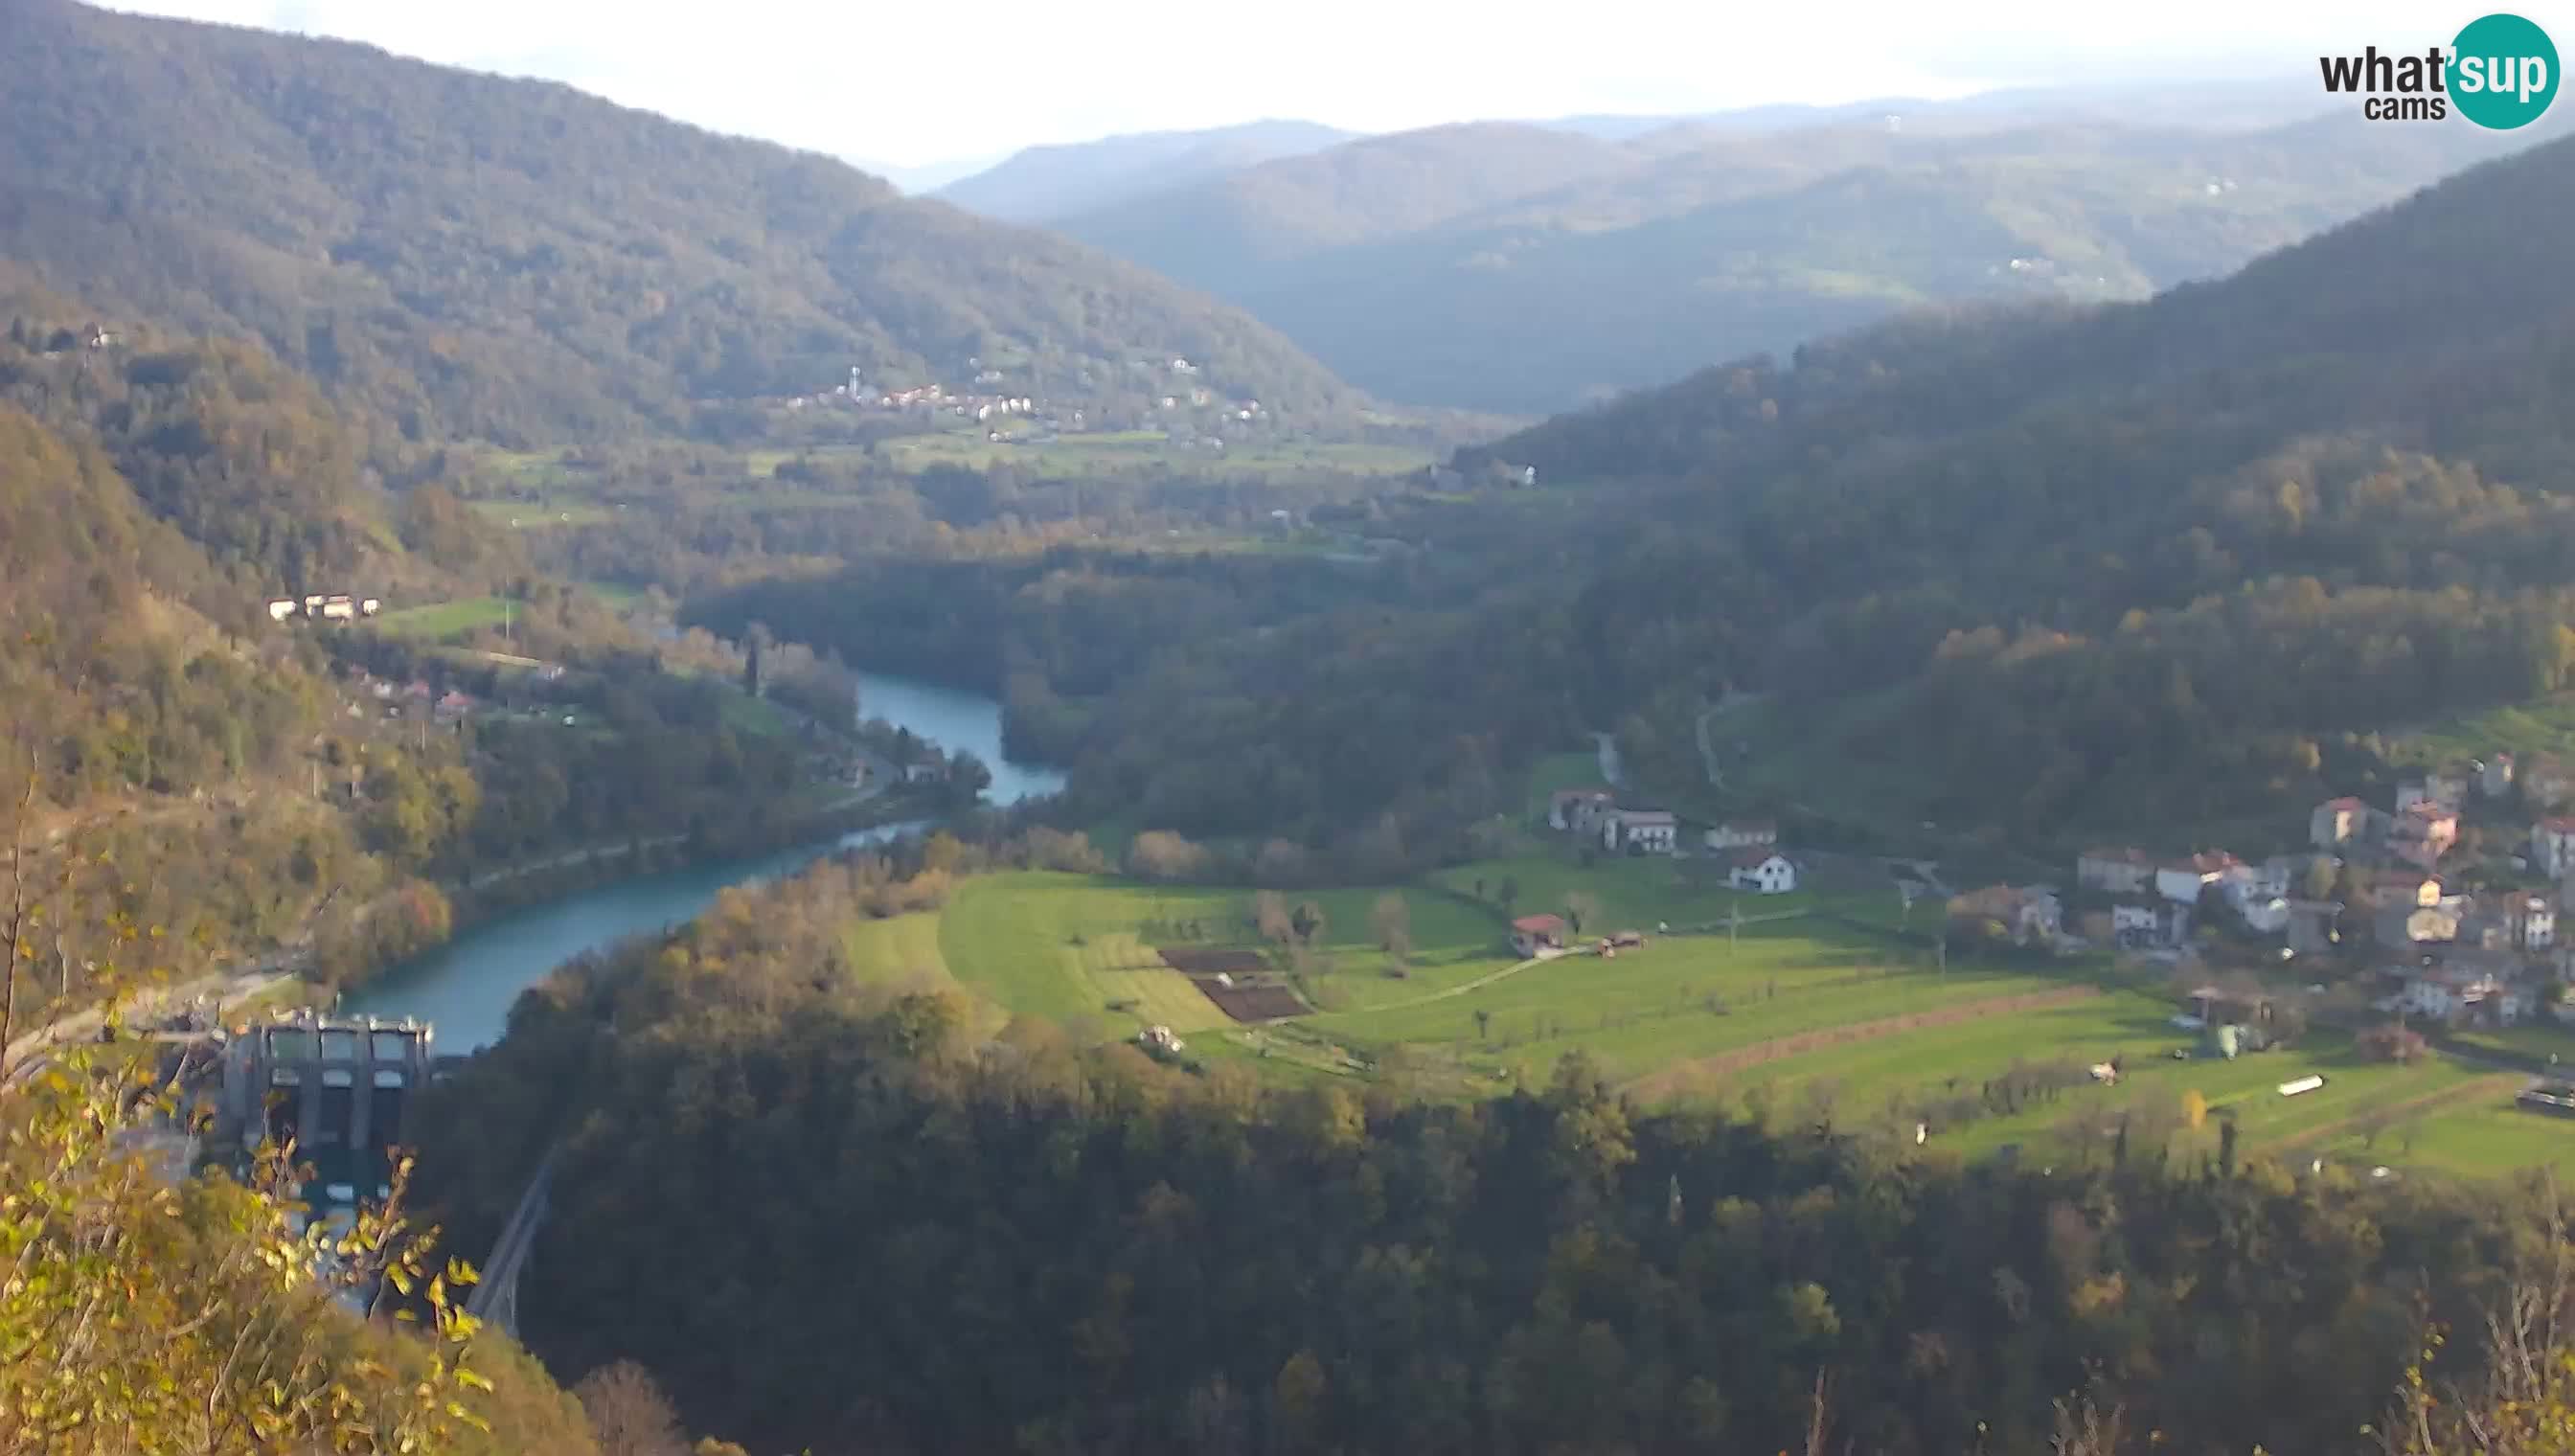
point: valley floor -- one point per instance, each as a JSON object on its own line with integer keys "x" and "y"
{"x": 1814, "y": 1008}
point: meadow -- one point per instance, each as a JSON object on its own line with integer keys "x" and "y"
{"x": 442, "y": 619}
{"x": 1804, "y": 1012}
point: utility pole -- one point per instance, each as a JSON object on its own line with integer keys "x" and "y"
{"x": 1733, "y": 925}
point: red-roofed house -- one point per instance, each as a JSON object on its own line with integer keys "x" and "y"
{"x": 1531, "y": 934}
{"x": 2337, "y": 822}
{"x": 2424, "y": 833}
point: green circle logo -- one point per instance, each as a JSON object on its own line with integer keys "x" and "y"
{"x": 2503, "y": 72}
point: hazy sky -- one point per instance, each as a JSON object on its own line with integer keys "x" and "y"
{"x": 911, "y": 84}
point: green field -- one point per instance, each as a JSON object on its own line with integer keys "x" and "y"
{"x": 2542, "y": 725}
{"x": 905, "y": 946}
{"x": 442, "y": 618}
{"x": 1797, "y": 1014}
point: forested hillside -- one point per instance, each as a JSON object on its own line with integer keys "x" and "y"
{"x": 2061, "y": 570}
{"x": 1518, "y": 268}
{"x": 473, "y": 256}
{"x": 891, "y": 1234}
{"x": 1220, "y": 233}
{"x": 2150, "y": 559}
{"x": 172, "y": 758}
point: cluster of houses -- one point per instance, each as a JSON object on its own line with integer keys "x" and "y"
{"x": 2371, "y": 887}
{"x": 323, "y": 606}
{"x": 1747, "y": 848}
{"x": 414, "y": 698}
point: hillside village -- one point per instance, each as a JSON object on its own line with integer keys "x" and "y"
{"x": 2440, "y": 905}
{"x": 1167, "y": 389}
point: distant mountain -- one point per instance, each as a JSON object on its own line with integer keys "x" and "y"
{"x": 930, "y": 176}
{"x": 2157, "y": 565}
{"x": 1525, "y": 267}
{"x": 2214, "y": 105}
{"x": 514, "y": 260}
{"x": 1041, "y": 184}
{"x": 1226, "y": 234}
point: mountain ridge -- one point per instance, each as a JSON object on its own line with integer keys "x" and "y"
{"x": 492, "y": 258}
{"x": 1039, "y": 184}
{"x": 1546, "y": 276}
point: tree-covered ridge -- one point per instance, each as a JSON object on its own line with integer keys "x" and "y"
{"x": 2145, "y": 560}
{"x": 2067, "y": 571}
{"x": 1523, "y": 267}
{"x": 256, "y": 790}
{"x": 477, "y": 257}
{"x": 905, "y": 1234}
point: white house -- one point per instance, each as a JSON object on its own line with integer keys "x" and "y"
{"x": 2181, "y": 880}
{"x": 2535, "y": 923}
{"x": 2447, "y": 993}
{"x": 2552, "y": 846}
{"x": 2136, "y": 924}
{"x": 1577, "y": 809}
{"x": 1742, "y": 834}
{"x": 281, "y": 607}
{"x": 338, "y": 609}
{"x": 1761, "y": 870}
{"x": 1640, "y": 830}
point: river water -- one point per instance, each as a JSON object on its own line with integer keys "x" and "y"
{"x": 466, "y": 986}
{"x": 956, "y": 719}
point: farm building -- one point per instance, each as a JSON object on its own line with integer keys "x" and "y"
{"x": 1640, "y": 830}
{"x": 1536, "y": 935}
{"x": 1761, "y": 870}
{"x": 1743, "y": 834}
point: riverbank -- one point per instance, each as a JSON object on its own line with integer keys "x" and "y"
{"x": 598, "y": 865}
{"x": 514, "y": 932}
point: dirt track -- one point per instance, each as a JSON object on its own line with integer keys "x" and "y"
{"x": 1678, "y": 1077}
